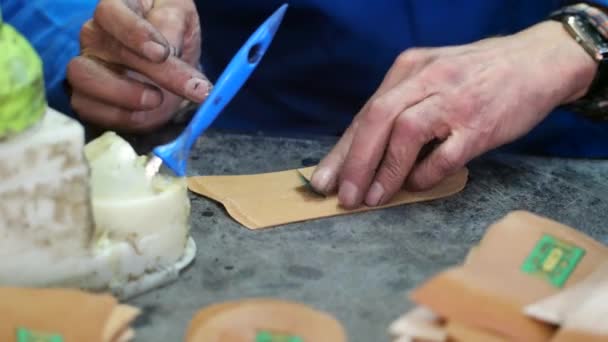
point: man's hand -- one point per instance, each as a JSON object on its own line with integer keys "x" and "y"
{"x": 138, "y": 63}
{"x": 470, "y": 98}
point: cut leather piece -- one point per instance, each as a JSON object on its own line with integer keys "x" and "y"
{"x": 419, "y": 324}
{"x": 68, "y": 315}
{"x": 557, "y": 308}
{"x": 458, "y": 294}
{"x": 489, "y": 292}
{"x": 117, "y": 326}
{"x": 244, "y": 321}
{"x": 201, "y": 318}
{"x": 459, "y": 332}
{"x": 578, "y": 336}
{"x": 272, "y": 199}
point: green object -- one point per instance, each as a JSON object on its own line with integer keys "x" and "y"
{"x": 553, "y": 260}
{"x": 26, "y": 335}
{"x": 22, "y": 96}
{"x": 267, "y": 336}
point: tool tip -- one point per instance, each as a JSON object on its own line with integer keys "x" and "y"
{"x": 278, "y": 15}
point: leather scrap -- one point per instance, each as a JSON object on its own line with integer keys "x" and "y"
{"x": 271, "y": 199}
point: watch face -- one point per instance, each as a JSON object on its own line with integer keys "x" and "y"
{"x": 588, "y": 36}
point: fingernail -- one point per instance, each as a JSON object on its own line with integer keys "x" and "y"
{"x": 139, "y": 117}
{"x": 348, "y": 195}
{"x": 320, "y": 179}
{"x": 197, "y": 89}
{"x": 150, "y": 99}
{"x": 374, "y": 197}
{"x": 154, "y": 51}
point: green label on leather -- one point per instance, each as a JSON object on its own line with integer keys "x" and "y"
{"x": 26, "y": 335}
{"x": 267, "y": 336}
{"x": 553, "y": 260}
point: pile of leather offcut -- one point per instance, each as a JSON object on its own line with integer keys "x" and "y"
{"x": 61, "y": 315}
{"x": 529, "y": 279}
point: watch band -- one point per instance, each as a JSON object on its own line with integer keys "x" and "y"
{"x": 588, "y": 25}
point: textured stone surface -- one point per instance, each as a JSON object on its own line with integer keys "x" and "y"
{"x": 358, "y": 267}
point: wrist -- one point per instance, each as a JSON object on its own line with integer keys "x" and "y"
{"x": 574, "y": 68}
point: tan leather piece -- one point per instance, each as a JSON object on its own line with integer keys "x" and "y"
{"x": 117, "y": 326}
{"x": 272, "y": 199}
{"x": 459, "y": 332}
{"x": 240, "y": 321}
{"x": 72, "y": 314}
{"x": 490, "y": 291}
{"x": 203, "y": 316}
{"x": 566, "y": 335}
{"x": 459, "y": 294}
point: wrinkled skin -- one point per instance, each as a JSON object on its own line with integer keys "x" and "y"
{"x": 470, "y": 98}
{"x": 138, "y": 63}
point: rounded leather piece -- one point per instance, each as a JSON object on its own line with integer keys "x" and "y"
{"x": 245, "y": 321}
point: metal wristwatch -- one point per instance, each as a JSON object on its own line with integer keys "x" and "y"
{"x": 583, "y": 30}
{"x": 587, "y": 36}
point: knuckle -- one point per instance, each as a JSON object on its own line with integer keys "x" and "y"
{"x": 410, "y": 128}
{"x": 160, "y": 17}
{"x": 87, "y": 34}
{"x": 465, "y": 104}
{"x": 447, "y": 163}
{"x": 103, "y": 9}
{"x": 168, "y": 16}
{"x": 77, "y": 72}
{"x": 133, "y": 36}
{"x": 379, "y": 111}
{"x": 445, "y": 71}
{"x": 409, "y": 57}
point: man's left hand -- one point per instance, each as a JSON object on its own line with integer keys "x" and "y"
{"x": 470, "y": 98}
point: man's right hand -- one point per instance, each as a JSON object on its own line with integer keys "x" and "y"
{"x": 137, "y": 64}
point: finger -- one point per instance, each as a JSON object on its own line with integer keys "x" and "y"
{"x": 371, "y": 137}
{"x": 324, "y": 178}
{"x": 445, "y": 160}
{"x": 100, "y": 113}
{"x": 407, "y": 64}
{"x": 93, "y": 79}
{"x": 171, "y": 23}
{"x": 174, "y": 75}
{"x": 112, "y": 117}
{"x": 411, "y": 131}
{"x": 124, "y": 20}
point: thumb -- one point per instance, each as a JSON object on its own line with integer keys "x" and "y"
{"x": 171, "y": 23}
{"x": 124, "y": 21}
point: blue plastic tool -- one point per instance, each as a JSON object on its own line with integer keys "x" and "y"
{"x": 175, "y": 154}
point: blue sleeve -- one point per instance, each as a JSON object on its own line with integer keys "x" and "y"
{"x": 52, "y": 27}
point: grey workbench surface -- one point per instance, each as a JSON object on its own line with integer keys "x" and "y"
{"x": 357, "y": 267}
